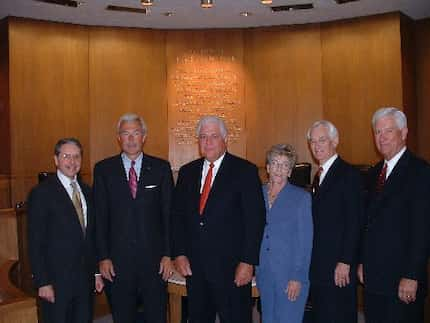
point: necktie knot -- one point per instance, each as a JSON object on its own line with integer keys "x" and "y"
{"x": 381, "y": 178}
{"x": 211, "y": 165}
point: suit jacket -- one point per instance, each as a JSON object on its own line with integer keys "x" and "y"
{"x": 287, "y": 243}
{"x": 231, "y": 227}
{"x": 396, "y": 236}
{"x": 133, "y": 232}
{"x": 60, "y": 254}
{"x": 337, "y": 212}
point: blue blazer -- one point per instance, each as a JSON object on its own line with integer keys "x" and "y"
{"x": 287, "y": 241}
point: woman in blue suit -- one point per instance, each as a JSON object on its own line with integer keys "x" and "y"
{"x": 282, "y": 276}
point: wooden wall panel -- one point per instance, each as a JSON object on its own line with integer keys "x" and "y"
{"x": 8, "y": 234}
{"x": 205, "y": 77}
{"x": 127, "y": 73}
{"x": 422, "y": 37}
{"x": 5, "y": 201}
{"x": 4, "y": 99}
{"x": 283, "y": 88}
{"x": 48, "y": 96}
{"x": 409, "y": 80}
{"x": 362, "y": 71}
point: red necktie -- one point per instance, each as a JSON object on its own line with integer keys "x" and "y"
{"x": 206, "y": 189}
{"x": 132, "y": 180}
{"x": 380, "y": 182}
{"x": 316, "y": 181}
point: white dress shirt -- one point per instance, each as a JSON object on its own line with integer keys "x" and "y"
{"x": 66, "y": 182}
{"x": 393, "y": 161}
{"x": 206, "y": 163}
{"x": 326, "y": 166}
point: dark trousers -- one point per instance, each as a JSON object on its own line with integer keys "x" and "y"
{"x": 128, "y": 291}
{"x": 207, "y": 298}
{"x": 390, "y": 309}
{"x": 332, "y": 304}
{"x": 68, "y": 307}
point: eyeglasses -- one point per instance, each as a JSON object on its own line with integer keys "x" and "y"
{"x": 321, "y": 141}
{"x": 283, "y": 166}
{"x": 213, "y": 136}
{"x": 130, "y": 133}
{"x": 69, "y": 157}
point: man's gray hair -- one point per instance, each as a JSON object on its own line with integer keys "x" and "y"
{"x": 280, "y": 150}
{"x": 399, "y": 116}
{"x": 130, "y": 117}
{"x": 212, "y": 119}
{"x": 332, "y": 130}
{"x": 64, "y": 141}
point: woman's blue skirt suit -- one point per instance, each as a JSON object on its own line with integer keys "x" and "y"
{"x": 285, "y": 254}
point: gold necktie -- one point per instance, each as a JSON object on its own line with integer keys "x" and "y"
{"x": 77, "y": 203}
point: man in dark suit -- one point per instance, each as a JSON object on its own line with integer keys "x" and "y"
{"x": 61, "y": 240}
{"x": 132, "y": 193}
{"x": 396, "y": 242}
{"x": 336, "y": 211}
{"x": 219, "y": 218}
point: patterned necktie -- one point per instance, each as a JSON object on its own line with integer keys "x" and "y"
{"x": 206, "y": 189}
{"x": 316, "y": 181}
{"x": 77, "y": 203}
{"x": 380, "y": 182}
{"x": 132, "y": 179}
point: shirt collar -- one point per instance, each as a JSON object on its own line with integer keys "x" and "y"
{"x": 216, "y": 163}
{"x": 65, "y": 180}
{"x": 326, "y": 166}
{"x": 393, "y": 161}
{"x": 128, "y": 160}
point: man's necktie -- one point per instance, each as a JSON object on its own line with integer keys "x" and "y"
{"x": 77, "y": 203}
{"x": 206, "y": 189}
{"x": 380, "y": 182}
{"x": 316, "y": 181}
{"x": 132, "y": 180}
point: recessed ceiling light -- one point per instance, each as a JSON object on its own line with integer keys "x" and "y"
{"x": 206, "y": 3}
{"x": 266, "y": 1}
{"x": 169, "y": 14}
{"x": 245, "y": 13}
{"x": 146, "y": 2}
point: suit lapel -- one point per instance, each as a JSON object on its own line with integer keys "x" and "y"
{"x": 64, "y": 199}
{"x": 330, "y": 178}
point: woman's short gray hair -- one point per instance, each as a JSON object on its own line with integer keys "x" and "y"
{"x": 212, "y": 119}
{"x": 130, "y": 117}
{"x": 280, "y": 150}
{"x": 332, "y": 130}
{"x": 399, "y": 116}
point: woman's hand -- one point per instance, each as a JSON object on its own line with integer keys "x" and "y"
{"x": 293, "y": 290}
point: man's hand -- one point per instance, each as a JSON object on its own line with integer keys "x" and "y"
{"x": 408, "y": 290}
{"x": 99, "y": 284}
{"x": 166, "y": 268}
{"x": 243, "y": 274}
{"x": 293, "y": 290}
{"x": 183, "y": 266}
{"x": 360, "y": 274}
{"x": 47, "y": 293}
{"x": 106, "y": 269}
{"x": 341, "y": 274}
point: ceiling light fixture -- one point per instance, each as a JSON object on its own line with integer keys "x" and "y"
{"x": 245, "y": 14}
{"x": 146, "y": 2}
{"x": 266, "y": 1}
{"x": 168, "y": 13}
{"x": 206, "y": 3}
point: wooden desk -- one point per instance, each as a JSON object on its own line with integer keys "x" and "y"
{"x": 176, "y": 289}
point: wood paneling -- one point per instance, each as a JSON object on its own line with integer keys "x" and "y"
{"x": 8, "y": 234}
{"x": 5, "y": 201}
{"x": 283, "y": 88}
{"x": 205, "y": 77}
{"x": 362, "y": 71}
{"x": 4, "y": 99}
{"x": 422, "y": 41}
{"x": 48, "y": 96}
{"x": 127, "y": 73}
